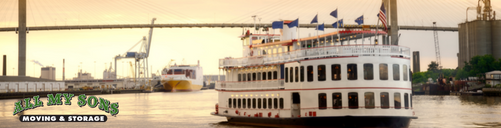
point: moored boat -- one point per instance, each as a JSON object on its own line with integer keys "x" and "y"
{"x": 316, "y": 81}
{"x": 182, "y": 78}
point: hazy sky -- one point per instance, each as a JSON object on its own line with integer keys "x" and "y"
{"x": 91, "y": 49}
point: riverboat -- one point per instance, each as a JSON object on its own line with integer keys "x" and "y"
{"x": 321, "y": 80}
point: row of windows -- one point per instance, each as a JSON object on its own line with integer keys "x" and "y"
{"x": 296, "y": 74}
{"x": 258, "y": 76}
{"x": 369, "y": 100}
{"x": 256, "y": 103}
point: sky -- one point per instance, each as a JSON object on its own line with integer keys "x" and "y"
{"x": 93, "y": 50}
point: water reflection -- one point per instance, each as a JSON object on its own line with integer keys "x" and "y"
{"x": 480, "y": 100}
{"x": 456, "y": 111}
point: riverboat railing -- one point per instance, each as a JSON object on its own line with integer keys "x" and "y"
{"x": 318, "y": 52}
{"x": 250, "y": 85}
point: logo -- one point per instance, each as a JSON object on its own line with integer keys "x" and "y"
{"x": 83, "y": 100}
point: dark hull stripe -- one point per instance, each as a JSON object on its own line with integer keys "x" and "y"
{"x": 316, "y": 89}
{"x": 341, "y": 122}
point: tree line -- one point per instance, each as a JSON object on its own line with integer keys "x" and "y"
{"x": 476, "y": 67}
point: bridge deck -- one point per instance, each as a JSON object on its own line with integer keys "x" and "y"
{"x": 207, "y": 25}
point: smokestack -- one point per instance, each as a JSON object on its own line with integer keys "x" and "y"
{"x": 4, "y": 65}
{"x": 63, "y": 69}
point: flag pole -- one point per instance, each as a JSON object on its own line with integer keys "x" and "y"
{"x": 363, "y": 31}
{"x": 377, "y": 29}
{"x": 337, "y": 28}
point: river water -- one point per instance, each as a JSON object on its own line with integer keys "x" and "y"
{"x": 192, "y": 109}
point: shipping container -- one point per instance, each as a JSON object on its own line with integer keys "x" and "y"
{"x": 55, "y": 86}
{"x": 47, "y": 86}
{"x": 40, "y": 86}
{"x": 32, "y": 87}
{"x": 23, "y": 86}
{"x": 61, "y": 86}
{"x": 3, "y": 87}
{"x": 13, "y": 87}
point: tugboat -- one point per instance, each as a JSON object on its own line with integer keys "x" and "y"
{"x": 323, "y": 80}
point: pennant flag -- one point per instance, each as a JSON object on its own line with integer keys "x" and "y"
{"x": 334, "y": 13}
{"x": 277, "y": 25}
{"x": 294, "y": 23}
{"x": 320, "y": 27}
{"x": 382, "y": 16}
{"x": 315, "y": 20}
{"x": 360, "y": 20}
{"x": 335, "y": 25}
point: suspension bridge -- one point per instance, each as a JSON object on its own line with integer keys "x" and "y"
{"x": 38, "y": 16}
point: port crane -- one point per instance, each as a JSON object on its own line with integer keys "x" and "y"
{"x": 437, "y": 46}
{"x": 140, "y": 58}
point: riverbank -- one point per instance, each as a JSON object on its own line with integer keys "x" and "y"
{"x": 17, "y": 95}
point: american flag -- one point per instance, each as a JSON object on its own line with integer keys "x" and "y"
{"x": 382, "y": 16}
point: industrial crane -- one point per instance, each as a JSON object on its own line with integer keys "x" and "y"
{"x": 140, "y": 57}
{"x": 437, "y": 46}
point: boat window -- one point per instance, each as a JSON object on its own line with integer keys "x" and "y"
{"x": 270, "y": 103}
{"x": 302, "y": 73}
{"x": 336, "y": 71}
{"x": 321, "y": 72}
{"x": 239, "y": 77}
{"x": 281, "y": 103}
{"x": 229, "y": 103}
{"x": 406, "y": 100}
{"x": 259, "y": 76}
{"x": 234, "y": 103}
{"x": 396, "y": 97}
{"x": 368, "y": 72}
{"x": 264, "y": 103}
{"x": 296, "y": 74}
{"x": 385, "y": 100}
{"x": 383, "y": 71}
{"x": 291, "y": 75}
{"x": 369, "y": 100}
{"x": 269, "y": 75}
{"x": 337, "y": 101}
{"x": 396, "y": 72}
{"x": 405, "y": 72}
{"x": 249, "y": 77}
{"x": 170, "y": 71}
{"x": 322, "y": 101}
{"x": 286, "y": 75}
{"x": 178, "y": 71}
{"x": 275, "y": 103}
{"x": 264, "y": 75}
{"x": 309, "y": 70}
{"x": 352, "y": 71}
{"x": 249, "y": 103}
{"x": 258, "y": 103}
{"x": 239, "y": 103}
{"x": 353, "y": 100}
{"x": 254, "y": 103}
{"x": 411, "y": 100}
{"x": 243, "y": 103}
{"x": 253, "y": 76}
{"x": 275, "y": 75}
{"x": 244, "y": 77}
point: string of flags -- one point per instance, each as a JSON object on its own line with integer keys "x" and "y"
{"x": 360, "y": 20}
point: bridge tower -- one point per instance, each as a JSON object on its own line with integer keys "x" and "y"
{"x": 21, "y": 66}
{"x": 392, "y": 15}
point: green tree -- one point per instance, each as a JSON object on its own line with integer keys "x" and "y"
{"x": 479, "y": 65}
{"x": 419, "y": 77}
{"x": 433, "y": 66}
